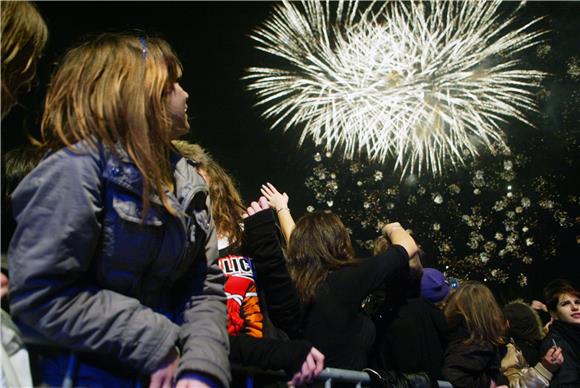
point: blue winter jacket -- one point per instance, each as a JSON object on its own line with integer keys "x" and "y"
{"x": 88, "y": 274}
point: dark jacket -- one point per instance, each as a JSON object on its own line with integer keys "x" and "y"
{"x": 563, "y": 334}
{"x": 530, "y": 349}
{"x": 334, "y": 321}
{"x": 268, "y": 353}
{"x": 413, "y": 338}
{"x": 272, "y": 349}
{"x": 264, "y": 245}
{"x": 473, "y": 365}
{"x": 88, "y": 276}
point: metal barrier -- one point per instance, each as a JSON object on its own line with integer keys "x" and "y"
{"x": 330, "y": 375}
{"x": 327, "y": 376}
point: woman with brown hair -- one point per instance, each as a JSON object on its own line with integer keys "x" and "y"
{"x": 254, "y": 341}
{"x": 114, "y": 273}
{"x": 477, "y": 329}
{"x": 331, "y": 284}
{"x": 24, "y": 35}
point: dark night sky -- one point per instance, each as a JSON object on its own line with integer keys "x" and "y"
{"x": 211, "y": 40}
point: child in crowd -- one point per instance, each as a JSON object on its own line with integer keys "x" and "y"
{"x": 477, "y": 329}
{"x": 563, "y": 302}
{"x": 254, "y": 341}
{"x": 113, "y": 261}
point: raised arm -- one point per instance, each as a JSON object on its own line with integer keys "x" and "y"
{"x": 399, "y": 236}
{"x": 263, "y": 245}
{"x": 279, "y": 202}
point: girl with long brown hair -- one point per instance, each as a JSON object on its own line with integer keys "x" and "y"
{"x": 254, "y": 340}
{"x": 331, "y": 283}
{"x": 114, "y": 255}
{"x": 477, "y": 328}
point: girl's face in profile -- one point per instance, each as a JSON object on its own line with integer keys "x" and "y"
{"x": 177, "y": 105}
{"x": 568, "y": 308}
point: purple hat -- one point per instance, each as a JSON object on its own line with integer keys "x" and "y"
{"x": 433, "y": 285}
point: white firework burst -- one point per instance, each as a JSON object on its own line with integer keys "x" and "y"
{"x": 422, "y": 83}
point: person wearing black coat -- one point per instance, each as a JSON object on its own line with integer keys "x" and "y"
{"x": 411, "y": 331}
{"x": 414, "y": 339}
{"x": 472, "y": 365}
{"x": 563, "y": 302}
{"x": 477, "y": 329}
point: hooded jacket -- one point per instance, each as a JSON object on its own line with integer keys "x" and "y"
{"x": 90, "y": 272}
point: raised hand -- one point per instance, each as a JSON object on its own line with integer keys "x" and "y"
{"x": 275, "y": 199}
{"x": 553, "y": 359}
{"x": 538, "y": 306}
{"x": 399, "y": 236}
{"x": 255, "y": 207}
{"x": 388, "y": 229}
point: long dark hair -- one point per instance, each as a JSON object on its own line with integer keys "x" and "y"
{"x": 319, "y": 244}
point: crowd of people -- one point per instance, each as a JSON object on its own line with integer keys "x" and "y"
{"x": 133, "y": 260}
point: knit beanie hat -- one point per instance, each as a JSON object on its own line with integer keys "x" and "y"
{"x": 433, "y": 285}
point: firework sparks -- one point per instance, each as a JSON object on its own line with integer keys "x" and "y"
{"x": 420, "y": 83}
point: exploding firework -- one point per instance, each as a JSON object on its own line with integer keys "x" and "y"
{"x": 422, "y": 83}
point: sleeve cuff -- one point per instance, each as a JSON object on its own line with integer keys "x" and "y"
{"x": 162, "y": 349}
{"x": 545, "y": 373}
{"x": 260, "y": 218}
{"x": 210, "y": 381}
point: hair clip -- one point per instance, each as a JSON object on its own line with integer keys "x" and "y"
{"x": 452, "y": 282}
{"x": 143, "y": 47}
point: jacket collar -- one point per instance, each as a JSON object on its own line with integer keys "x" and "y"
{"x": 121, "y": 170}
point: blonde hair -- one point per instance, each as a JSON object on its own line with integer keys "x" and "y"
{"x": 474, "y": 304}
{"x": 226, "y": 203}
{"x": 24, "y": 35}
{"x": 113, "y": 89}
